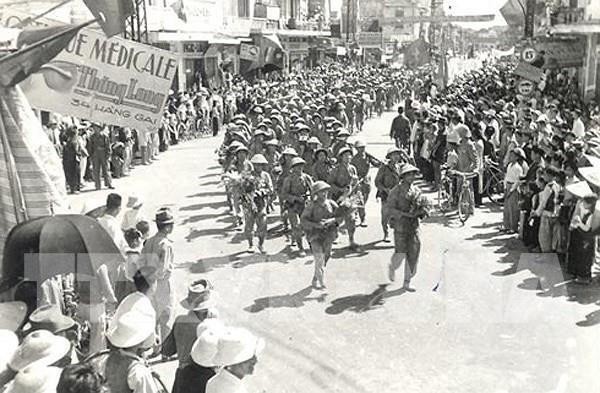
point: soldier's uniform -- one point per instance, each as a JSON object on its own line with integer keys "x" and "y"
{"x": 362, "y": 163}
{"x": 321, "y": 170}
{"x": 255, "y": 206}
{"x": 388, "y": 177}
{"x": 407, "y": 244}
{"x": 320, "y": 238}
{"x": 295, "y": 192}
{"x": 340, "y": 178}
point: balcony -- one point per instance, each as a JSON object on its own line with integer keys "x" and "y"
{"x": 308, "y": 25}
{"x": 567, "y": 16}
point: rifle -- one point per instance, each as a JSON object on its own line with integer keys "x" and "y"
{"x": 346, "y": 199}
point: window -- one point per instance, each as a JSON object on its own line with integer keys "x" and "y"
{"x": 243, "y": 8}
{"x": 399, "y": 13}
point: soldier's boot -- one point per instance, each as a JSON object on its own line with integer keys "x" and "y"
{"x": 301, "y": 251}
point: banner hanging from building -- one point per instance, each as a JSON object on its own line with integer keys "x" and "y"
{"x": 108, "y": 80}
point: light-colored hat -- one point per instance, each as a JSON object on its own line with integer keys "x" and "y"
{"x": 259, "y": 159}
{"x": 463, "y": 131}
{"x": 591, "y": 174}
{"x": 320, "y": 186}
{"x": 35, "y": 379}
{"x": 391, "y": 151}
{"x": 359, "y": 143}
{"x": 408, "y": 168}
{"x": 12, "y": 315}
{"x": 237, "y": 345}
{"x": 344, "y": 150}
{"x": 49, "y": 317}
{"x": 39, "y": 348}
{"x": 272, "y": 142}
{"x": 519, "y": 152}
{"x": 9, "y": 342}
{"x": 314, "y": 140}
{"x": 206, "y": 346}
{"x": 297, "y": 161}
{"x": 343, "y": 134}
{"x": 290, "y": 151}
{"x": 580, "y": 189}
{"x": 200, "y": 296}
{"x": 594, "y": 161}
{"x": 131, "y": 329}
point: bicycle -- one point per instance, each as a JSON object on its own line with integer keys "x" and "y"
{"x": 494, "y": 182}
{"x": 448, "y": 198}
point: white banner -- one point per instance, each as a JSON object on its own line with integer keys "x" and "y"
{"x": 108, "y": 80}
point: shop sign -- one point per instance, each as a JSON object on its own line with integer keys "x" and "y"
{"x": 108, "y": 80}
{"x": 202, "y": 15}
{"x": 370, "y": 39}
{"x": 560, "y": 53}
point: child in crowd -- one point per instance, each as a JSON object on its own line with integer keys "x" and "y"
{"x": 144, "y": 228}
{"x": 125, "y": 285}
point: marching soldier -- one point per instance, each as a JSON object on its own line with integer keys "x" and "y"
{"x": 295, "y": 192}
{"x": 308, "y": 155}
{"x": 345, "y": 191}
{"x": 320, "y": 223}
{"x": 362, "y": 162}
{"x": 287, "y": 156}
{"x": 255, "y": 203}
{"x": 341, "y": 142}
{"x": 388, "y": 177}
{"x": 322, "y": 167}
{"x": 405, "y": 221}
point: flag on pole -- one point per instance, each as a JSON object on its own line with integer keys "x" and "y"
{"x": 31, "y": 176}
{"x": 35, "y": 48}
{"x": 111, "y": 14}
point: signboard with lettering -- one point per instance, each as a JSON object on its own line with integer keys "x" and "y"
{"x": 370, "y": 40}
{"x": 561, "y": 53}
{"x": 108, "y": 80}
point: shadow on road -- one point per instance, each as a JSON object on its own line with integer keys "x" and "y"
{"x": 363, "y": 302}
{"x": 210, "y": 205}
{"x": 290, "y": 300}
{"x": 237, "y": 260}
{"x": 208, "y": 194}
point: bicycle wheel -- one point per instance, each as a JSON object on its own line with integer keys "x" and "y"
{"x": 464, "y": 205}
{"x": 442, "y": 199}
{"x": 494, "y": 189}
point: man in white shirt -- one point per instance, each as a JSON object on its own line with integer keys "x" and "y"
{"x": 110, "y": 223}
{"x": 578, "y": 126}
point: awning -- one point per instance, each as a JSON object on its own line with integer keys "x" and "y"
{"x": 169, "y": 36}
{"x": 579, "y": 28}
{"x": 303, "y": 33}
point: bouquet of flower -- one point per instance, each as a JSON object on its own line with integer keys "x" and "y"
{"x": 420, "y": 206}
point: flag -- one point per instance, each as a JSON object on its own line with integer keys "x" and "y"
{"x": 513, "y": 13}
{"x": 272, "y": 51}
{"x": 36, "y": 48}
{"x": 179, "y": 9}
{"x": 31, "y": 176}
{"x": 417, "y": 54}
{"x": 111, "y": 14}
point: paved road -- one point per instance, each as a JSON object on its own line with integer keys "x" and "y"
{"x": 497, "y": 321}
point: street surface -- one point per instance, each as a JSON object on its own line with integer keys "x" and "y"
{"x": 484, "y": 318}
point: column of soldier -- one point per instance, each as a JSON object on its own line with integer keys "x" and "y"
{"x": 295, "y": 150}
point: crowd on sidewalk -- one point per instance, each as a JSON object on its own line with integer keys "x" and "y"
{"x": 287, "y": 145}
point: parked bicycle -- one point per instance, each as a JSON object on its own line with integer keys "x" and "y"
{"x": 493, "y": 177}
